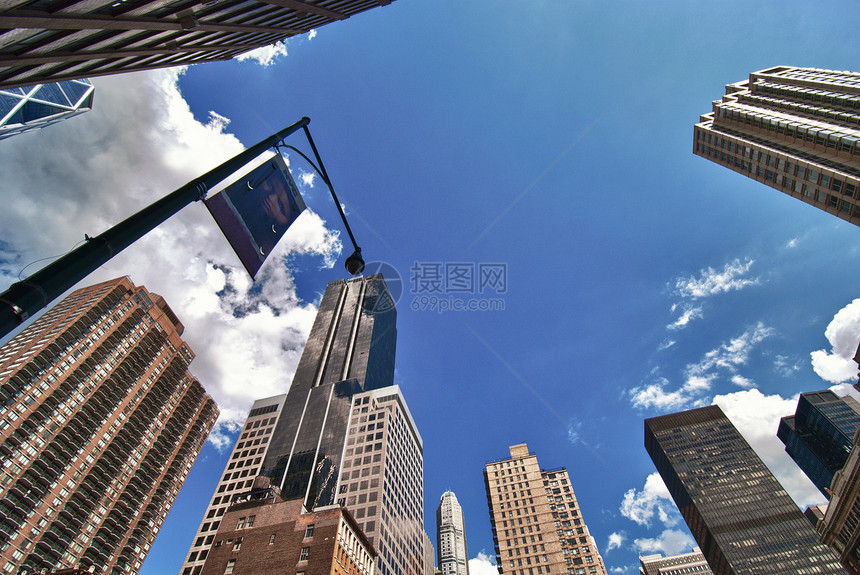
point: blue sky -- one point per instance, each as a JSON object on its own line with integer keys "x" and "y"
{"x": 554, "y": 138}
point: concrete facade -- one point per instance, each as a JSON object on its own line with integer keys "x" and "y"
{"x": 681, "y": 564}
{"x": 451, "y": 536}
{"x": 794, "y": 129}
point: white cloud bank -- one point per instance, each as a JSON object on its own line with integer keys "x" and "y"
{"x": 653, "y": 499}
{"x": 139, "y": 143}
{"x": 483, "y": 564}
{"x": 843, "y": 333}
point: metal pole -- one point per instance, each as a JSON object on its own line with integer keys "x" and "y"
{"x": 28, "y": 296}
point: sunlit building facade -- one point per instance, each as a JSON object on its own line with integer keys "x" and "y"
{"x": 243, "y": 466}
{"x": 739, "y": 514}
{"x": 451, "y": 536}
{"x": 342, "y": 436}
{"x": 692, "y": 563}
{"x": 536, "y": 520}
{"x": 100, "y": 423}
{"x": 840, "y": 527}
{"x": 43, "y": 41}
{"x": 793, "y": 129}
{"x": 33, "y": 107}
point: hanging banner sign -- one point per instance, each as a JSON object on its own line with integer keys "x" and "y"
{"x": 256, "y": 210}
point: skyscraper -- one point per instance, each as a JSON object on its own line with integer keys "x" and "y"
{"x": 536, "y": 521}
{"x": 34, "y": 107}
{"x": 100, "y": 423}
{"x": 244, "y": 464}
{"x": 350, "y": 350}
{"x": 42, "y": 42}
{"x": 793, "y": 129}
{"x": 739, "y": 514}
{"x": 342, "y": 435}
{"x": 683, "y": 564}
{"x": 820, "y": 435}
{"x": 451, "y": 536}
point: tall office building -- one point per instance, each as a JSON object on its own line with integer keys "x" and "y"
{"x": 451, "y": 536}
{"x": 382, "y": 482}
{"x": 33, "y": 107}
{"x": 342, "y": 435}
{"x": 739, "y": 514}
{"x": 350, "y": 350}
{"x": 793, "y": 129}
{"x": 42, "y": 41}
{"x": 100, "y": 423}
{"x": 536, "y": 521}
{"x": 840, "y": 527}
{"x": 820, "y": 435}
{"x": 682, "y": 564}
{"x": 245, "y": 463}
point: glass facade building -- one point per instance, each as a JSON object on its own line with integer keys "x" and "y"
{"x": 350, "y": 350}
{"x": 820, "y": 435}
{"x": 342, "y": 435}
{"x": 793, "y": 129}
{"x": 739, "y": 514}
{"x": 34, "y": 107}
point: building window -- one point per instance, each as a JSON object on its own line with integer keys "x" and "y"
{"x": 304, "y": 555}
{"x": 251, "y": 520}
{"x": 238, "y": 544}
{"x": 309, "y": 531}
{"x": 272, "y": 539}
{"x": 241, "y": 523}
{"x": 230, "y": 565}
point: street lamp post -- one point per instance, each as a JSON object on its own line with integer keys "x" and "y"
{"x": 28, "y": 296}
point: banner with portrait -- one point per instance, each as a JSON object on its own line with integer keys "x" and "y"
{"x": 256, "y": 210}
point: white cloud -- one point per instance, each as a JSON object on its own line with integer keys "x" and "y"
{"x": 655, "y": 395}
{"x": 654, "y": 498}
{"x": 742, "y": 381}
{"x": 843, "y": 333}
{"x": 308, "y": 179}
{"x": 312, "y": 34}
{"x": 616, "y": 540}
{"x": 792, "y": 243}
{"x": 483, "y": 564}
{"x": 666, "y": 344}
{"x": 733, "y": 354}
{"x": 711, "y": 282}
{"x": 265, "y": 55}
{"x": 670, "y": 542}
{"x": 699, "y": 377}
{"x": 785, "y": 366}
{"x": 618, "y": 570}
{"x": 688, "y": 314}
{"x": 138, "y": 144}
{"x": 756, "y": 416}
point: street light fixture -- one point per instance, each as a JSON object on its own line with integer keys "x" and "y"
{"x": 28, "y": 296}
